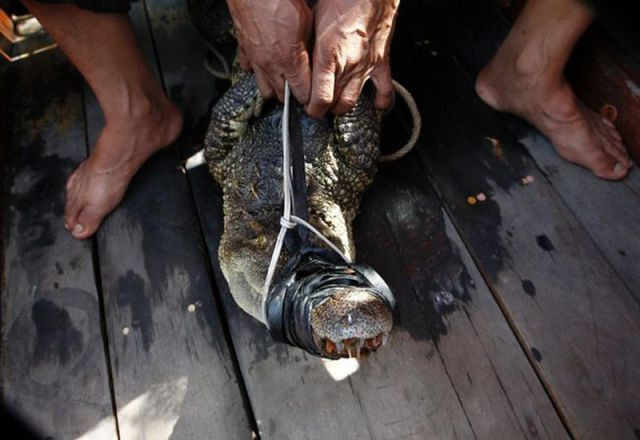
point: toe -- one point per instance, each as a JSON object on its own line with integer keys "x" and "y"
{"x": 78, "y": 230}
{"x": 71, "y": 181}
{"x": 619, "y": 154}
{"x": 87, "y": 223}
{"x": 616, "y": 135}
{"x": 70, "y": 212}
{"x": 607, "y": 122}
{"x": 613, "y": 138}
{"x": 610, "y": 169}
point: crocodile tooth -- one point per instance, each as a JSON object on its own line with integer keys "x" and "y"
{"x": 339, "y": 346}
{"x": 330, "y": 347}
{"x": 385, "y": 338}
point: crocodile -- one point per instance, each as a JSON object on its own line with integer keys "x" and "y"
{"x": 243, "y": 150}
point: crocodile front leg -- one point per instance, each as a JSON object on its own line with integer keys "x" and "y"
{"x": 229, "y": 120}
{"x": 357, "y": 148}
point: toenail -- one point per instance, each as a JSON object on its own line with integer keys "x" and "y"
{"x": 78, "y": 229}
{"x": 619, "y": 168}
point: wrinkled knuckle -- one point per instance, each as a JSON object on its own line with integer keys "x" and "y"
{"x": 323, "y": 100}
{"x": 348, "y": 102}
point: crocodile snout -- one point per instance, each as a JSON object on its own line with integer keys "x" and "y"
{"x": 351, "y": 321}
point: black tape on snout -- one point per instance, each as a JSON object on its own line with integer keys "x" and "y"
{"x": 310, "y": 277}
{"x": 312, "y": 273}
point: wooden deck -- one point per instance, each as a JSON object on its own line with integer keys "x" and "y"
{"x": 134, "y": 335}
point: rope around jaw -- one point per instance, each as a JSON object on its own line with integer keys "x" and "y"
{"x": 288, "y": 221}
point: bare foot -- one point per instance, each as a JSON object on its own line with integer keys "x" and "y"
{"x": 97, "y": 186}
{"x": 525, "y": 87}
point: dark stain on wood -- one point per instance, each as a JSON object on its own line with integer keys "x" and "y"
{"x": 528, "y": 287}
{"x": 132, "y": 293}
{"x": 428, "y": 257}
{"x": 53, "y": 364}
{"x": 56, "y": 336}
{"x": 536, "y": 354}
{"x": 453, "y": 154}
{"x": 545, "y": 243}
{"x": 531, "y": 427}
{"x": 449, "y": 105}
{"x": 44, "y": 191}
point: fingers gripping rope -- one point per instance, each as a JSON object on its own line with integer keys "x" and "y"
{"x": 289, "y": 221}
{"x": 198, "y": 158}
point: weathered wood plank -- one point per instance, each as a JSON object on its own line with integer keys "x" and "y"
{"x": 54, "y": 369}
{"x": 593, "y": 201}
{"x": 572, "y": 313}
{"x": 494, "y": 381}
{"x": 172, "y": 369}
{"x": 609, "y": 211}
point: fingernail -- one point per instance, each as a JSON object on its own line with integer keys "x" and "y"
{"x": 66, "y": 226}
{"x": 77, "y": 229}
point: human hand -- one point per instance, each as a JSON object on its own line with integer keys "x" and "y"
{"x": 272, "y": 37}
{"x": 352, "y": 42}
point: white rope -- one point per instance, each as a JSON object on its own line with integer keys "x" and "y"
{"x": 289, "y": 221}
{"x": 226, "y": 71}
{"x": 417, "y": 124}
{"x": 195, "y": 160}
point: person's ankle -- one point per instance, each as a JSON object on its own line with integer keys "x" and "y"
{"x": 135, "y": 104}
{"x": 487, "y": 88}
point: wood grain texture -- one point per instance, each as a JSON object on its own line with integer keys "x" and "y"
{"x": 54, "y": 368}
{"x": 493, "y": 379}
{"x": 607, "y": 210}
{"x": 573, "y": 314}
{"x": 172, "y": 368}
